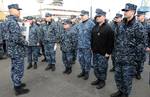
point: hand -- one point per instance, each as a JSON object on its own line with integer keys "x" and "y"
{"x": 148, "y": 49}
{"x": 107, "y": 55}
{"x": 38, "y": 44}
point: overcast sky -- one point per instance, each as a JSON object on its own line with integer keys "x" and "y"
{"x": 31, "y": 7}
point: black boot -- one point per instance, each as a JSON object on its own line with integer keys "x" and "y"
{"x": 20, "y": 91}
{"x": 48, "y": 67}
{"x": 35, "y": 65}
{"x": 101, "y": 84}
{"x": 44, "y": 60}
{"x": 29, "y": 66}
{"x": 65, "y": 71}
{"x": 124, "y": 95}
{"x": 23, "y": 85}
{"x": 81, "y": 74}
{"x": 69, "y": 71}
{"x": 116, "y": 94}
{"x": 86, "y": 76}
{"x": 112, "y": 70}
{"x": 53, "y": 67}
{"x": 138, "y": 76}
{"x": 96, "y": 82}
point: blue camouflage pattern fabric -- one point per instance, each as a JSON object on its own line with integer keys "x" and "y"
{"x": 33, "y": 47}
{"x": 123, "y": 77}
{"x": 1, "y": 34}
{"x": 100, "y": 64}
{"x": 16, "y": 48}
{"x": 1, "y": 41}
{"x": 114, "y": 27}
{"x": 142, "y": 57}
{"x": 84, "y": 44}
{"x": 130, "y": 41}
{"x": 75, "y": 27}
{"x": 68, "y": 44}
{"x": 84, "y": 34}
{"x": 49, "y": 38}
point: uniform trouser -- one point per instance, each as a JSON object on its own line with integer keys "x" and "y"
{"x": 139, "y": 66}
{"x": 67, "y": 58}
{"x": 43, "y": 50}
{"x": 50, "y": 53}
{"x": 5, "y": 46}
{"x": 123, "y": 77}
{"x": 1, "y": 51}
{"x": 17, "y": 69}
{"x": 33, "y": 54}
{"x": 74, "y": 52}
{"x": 149, "y": 59}
{"x": 85, "y": 56}
{"x": 100, "y": 64}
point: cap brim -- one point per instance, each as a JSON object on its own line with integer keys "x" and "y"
{"x": 82, "y": 14}
{"x": 19, "y": 8}
{"x": 98, "y": 15}
{"x": 125, "y": 9}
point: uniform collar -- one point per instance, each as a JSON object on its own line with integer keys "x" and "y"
{"x": 13, "y": 17}
{"x": 131, "y": 22}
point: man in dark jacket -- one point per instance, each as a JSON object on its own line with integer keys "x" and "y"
{"x": 102, "y": 45}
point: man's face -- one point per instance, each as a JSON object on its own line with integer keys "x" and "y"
{"x": 129, "y": 13}
{"x": 84, "y": 17}
{"x": 140, "y": 17}
{"x": 118, "y": 19}
{"x": 48, "y": 19}
{"x": 15, "y": 12}
{"x": 66, "y": 26}
{"x": 100, "y": 19}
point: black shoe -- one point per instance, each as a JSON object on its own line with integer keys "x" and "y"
{"x": 29, "y": 66}
{"x": 74, "y": 62}
{"x": 112, "y": 70}
{"x": 23, "y": 85}
{"x": 44, "y": 60}
{"x": 48, "y": 67}
{"x": 96, "y": 82}
{"x": 116, "y": 94}
{"x": 81, "y": 74}
{"x": 21, "y": 91}
{"x": 65, "y": 71}
{"x": 100, "y": 85}
{"x": 124, "y": 95}
{"x": 53, "y": 67}
{"x": 86, "y": 76}
{"x": 69, "y": 71}
{"x": 35, "y": 65}
{"x": 138, "y": 76}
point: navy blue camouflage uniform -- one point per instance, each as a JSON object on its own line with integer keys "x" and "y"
{"x": 49, "y": 38}
{"x": 1, "y": 41}
{"x": 75, "y": 26}
{"x": 142, "y": 55}
{"x": 68, "y": 44}
{"x": 129, "y": 41}
{"x": 33, "y": 43}
{"x": 16, "y": 48}
{"x": 84, "y": 44}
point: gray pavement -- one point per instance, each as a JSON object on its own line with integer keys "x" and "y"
{"x": 55, "y": 84}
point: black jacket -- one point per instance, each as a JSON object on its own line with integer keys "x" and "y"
{"x": 102, "y": 39}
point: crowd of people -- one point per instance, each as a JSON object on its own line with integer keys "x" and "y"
{"x": 91, "y": 41}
